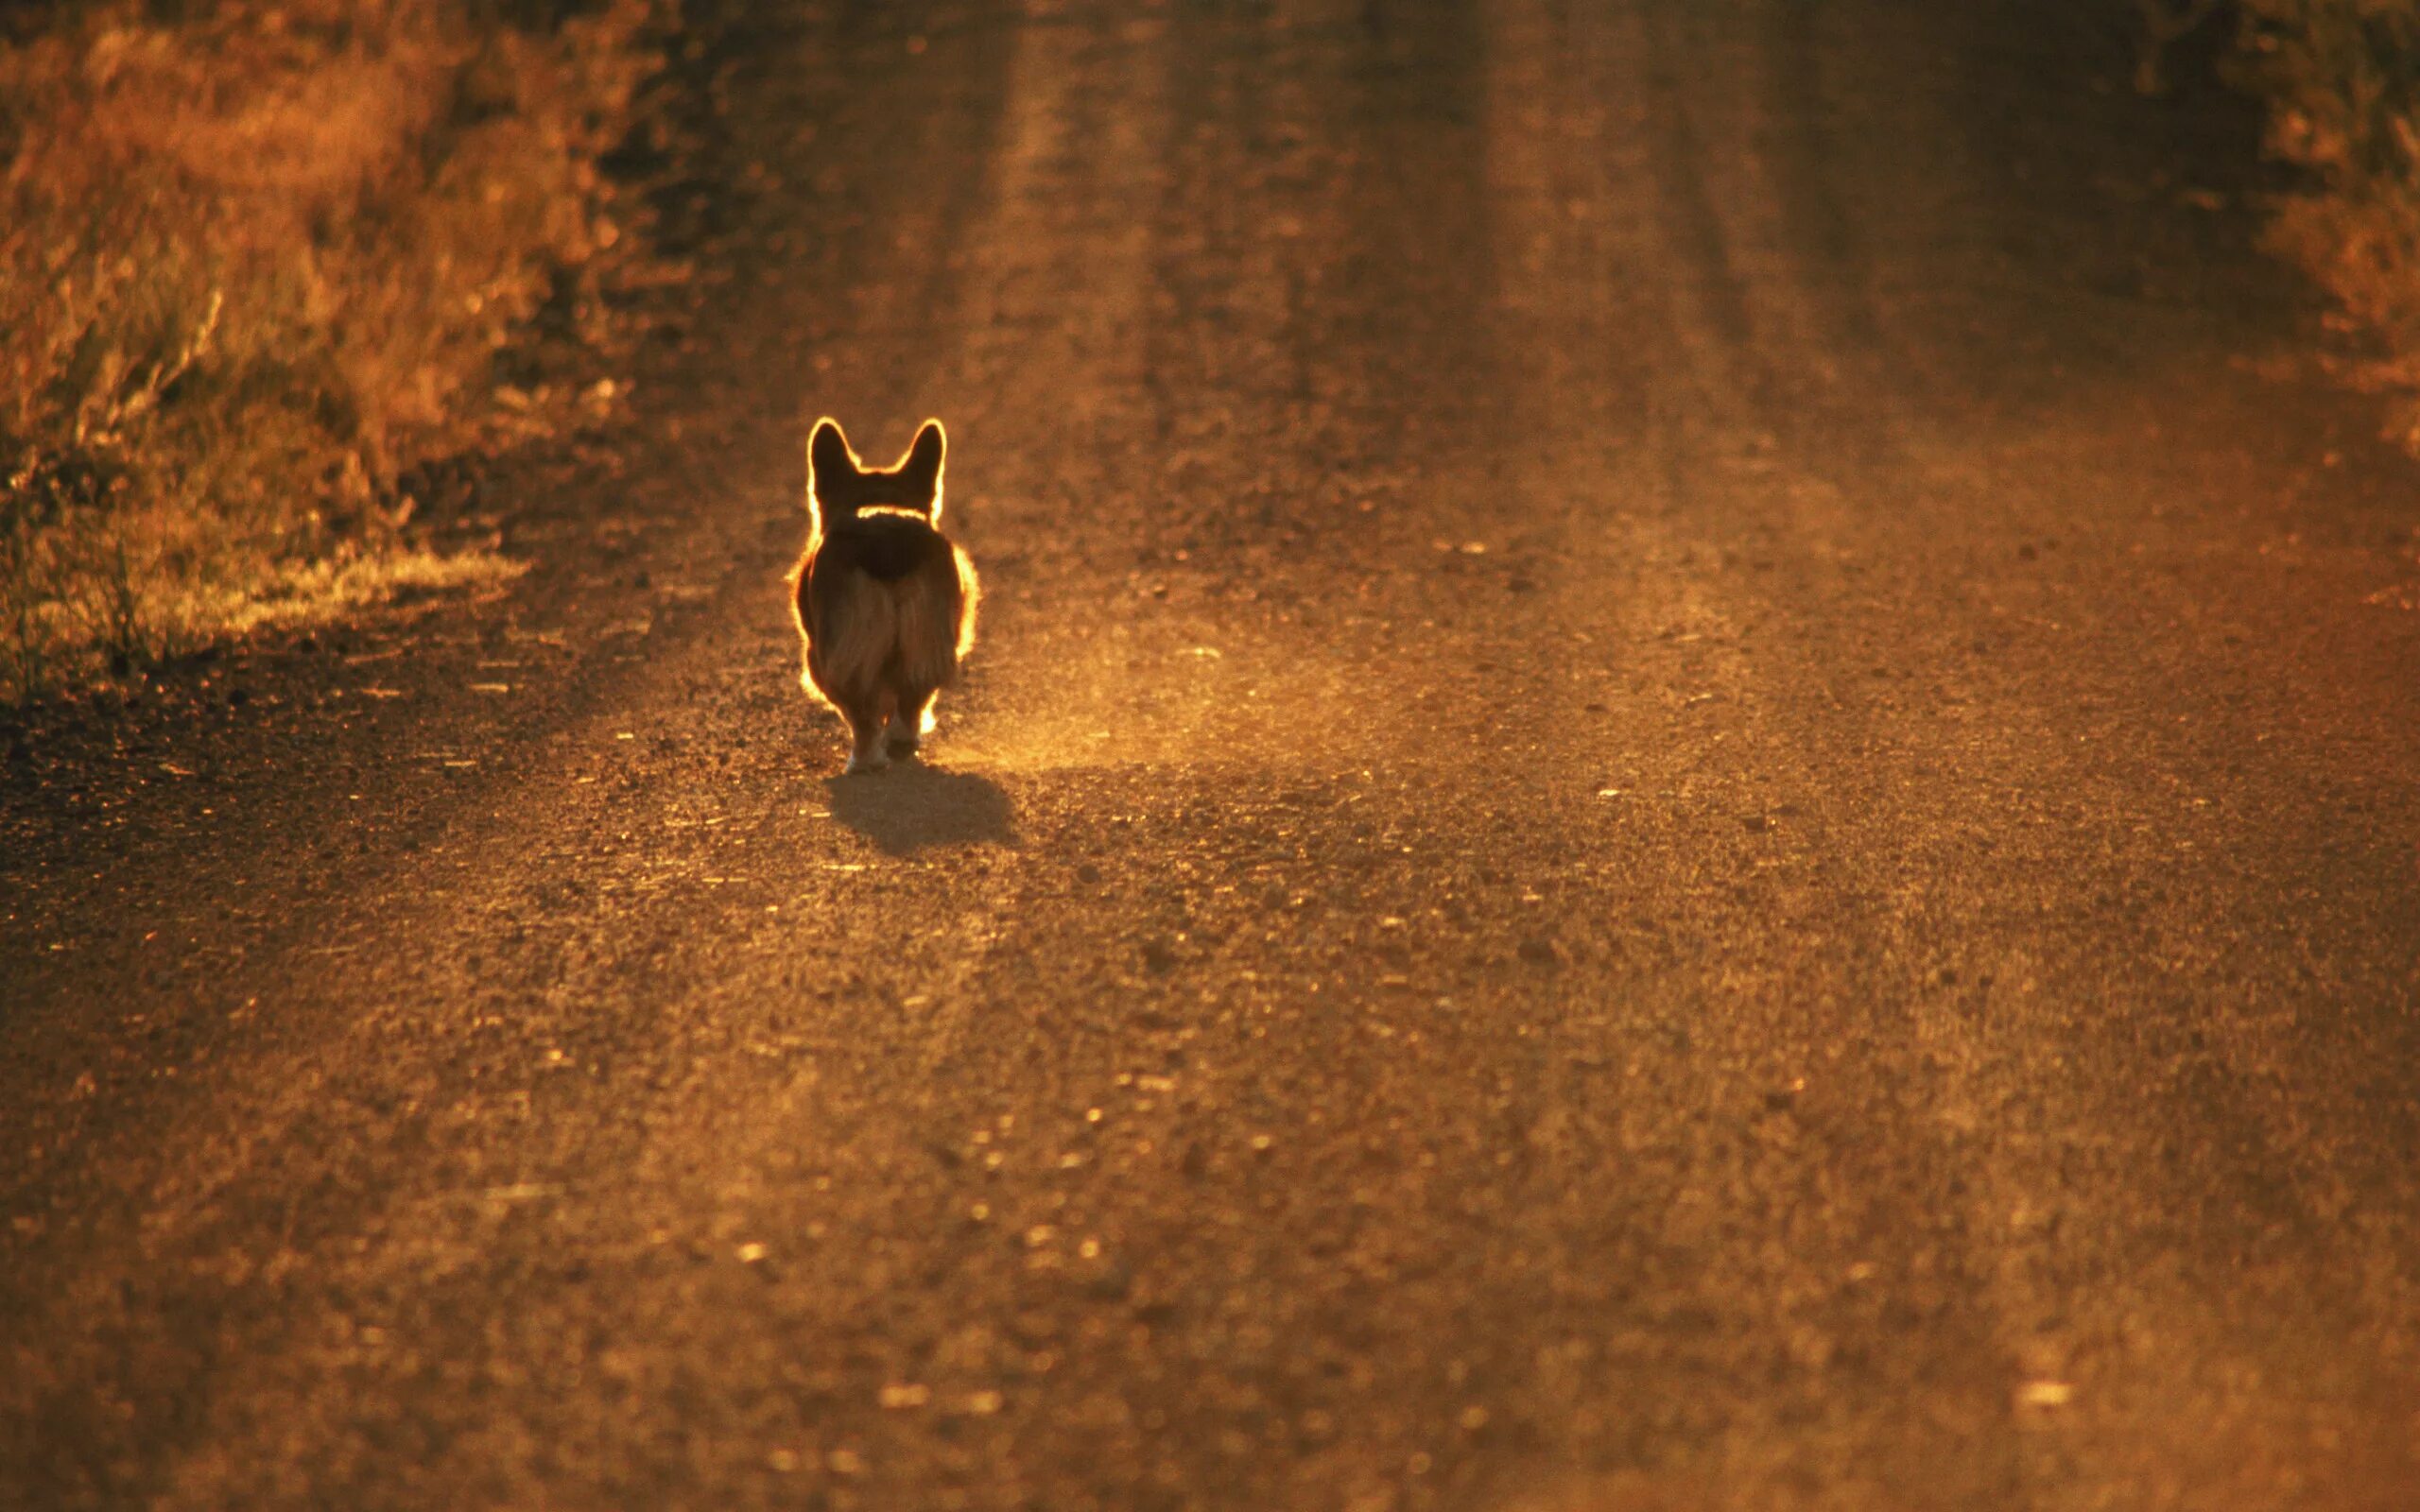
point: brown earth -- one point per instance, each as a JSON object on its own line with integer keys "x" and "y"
{"x": 1692, "y": 787}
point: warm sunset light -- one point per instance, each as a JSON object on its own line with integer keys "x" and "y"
{"x": 1691, "y": 786}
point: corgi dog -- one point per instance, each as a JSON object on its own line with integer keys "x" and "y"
{"x": 885, "y": 603}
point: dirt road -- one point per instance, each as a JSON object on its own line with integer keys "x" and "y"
{"x": 1691, "y": 786}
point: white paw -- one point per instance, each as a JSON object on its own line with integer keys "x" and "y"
{"x": 866, "y": 760}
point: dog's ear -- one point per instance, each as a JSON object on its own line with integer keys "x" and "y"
{"x": 830, "y": 464}
{"x": 920, "y": 475}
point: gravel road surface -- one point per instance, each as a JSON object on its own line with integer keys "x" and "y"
{"x": 1691, "y": 786}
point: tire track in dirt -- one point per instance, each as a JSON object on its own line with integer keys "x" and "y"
{"x": 2004, "y": 1052}
{"x": 274, "y": 1162}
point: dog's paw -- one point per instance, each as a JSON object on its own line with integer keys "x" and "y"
{"x": 865, "y": 761}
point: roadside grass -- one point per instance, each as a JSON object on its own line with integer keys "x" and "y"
{"x": 259, "y": 267}
{"x": 2341, "y": 80}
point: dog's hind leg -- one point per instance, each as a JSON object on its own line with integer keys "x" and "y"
{"x": 865, "y": 729}
{"x": 908, "y": 721}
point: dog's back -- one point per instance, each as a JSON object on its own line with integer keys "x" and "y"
{"x": 885, "y": 601}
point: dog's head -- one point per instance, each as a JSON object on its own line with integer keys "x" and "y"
{"x": 838, "y": 486}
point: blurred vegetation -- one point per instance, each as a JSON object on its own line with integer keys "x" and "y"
{"x": 257, "y": 266}
{"x": 2341, "y": 79}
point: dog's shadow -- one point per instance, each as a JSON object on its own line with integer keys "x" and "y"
{"x": 913, "y": 807}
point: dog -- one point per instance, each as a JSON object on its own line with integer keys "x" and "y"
{"x": 884, "y": 602}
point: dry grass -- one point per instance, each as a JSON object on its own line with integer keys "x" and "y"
{"x": 256, "y": 266}
{"x": 2343, "y": 79}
